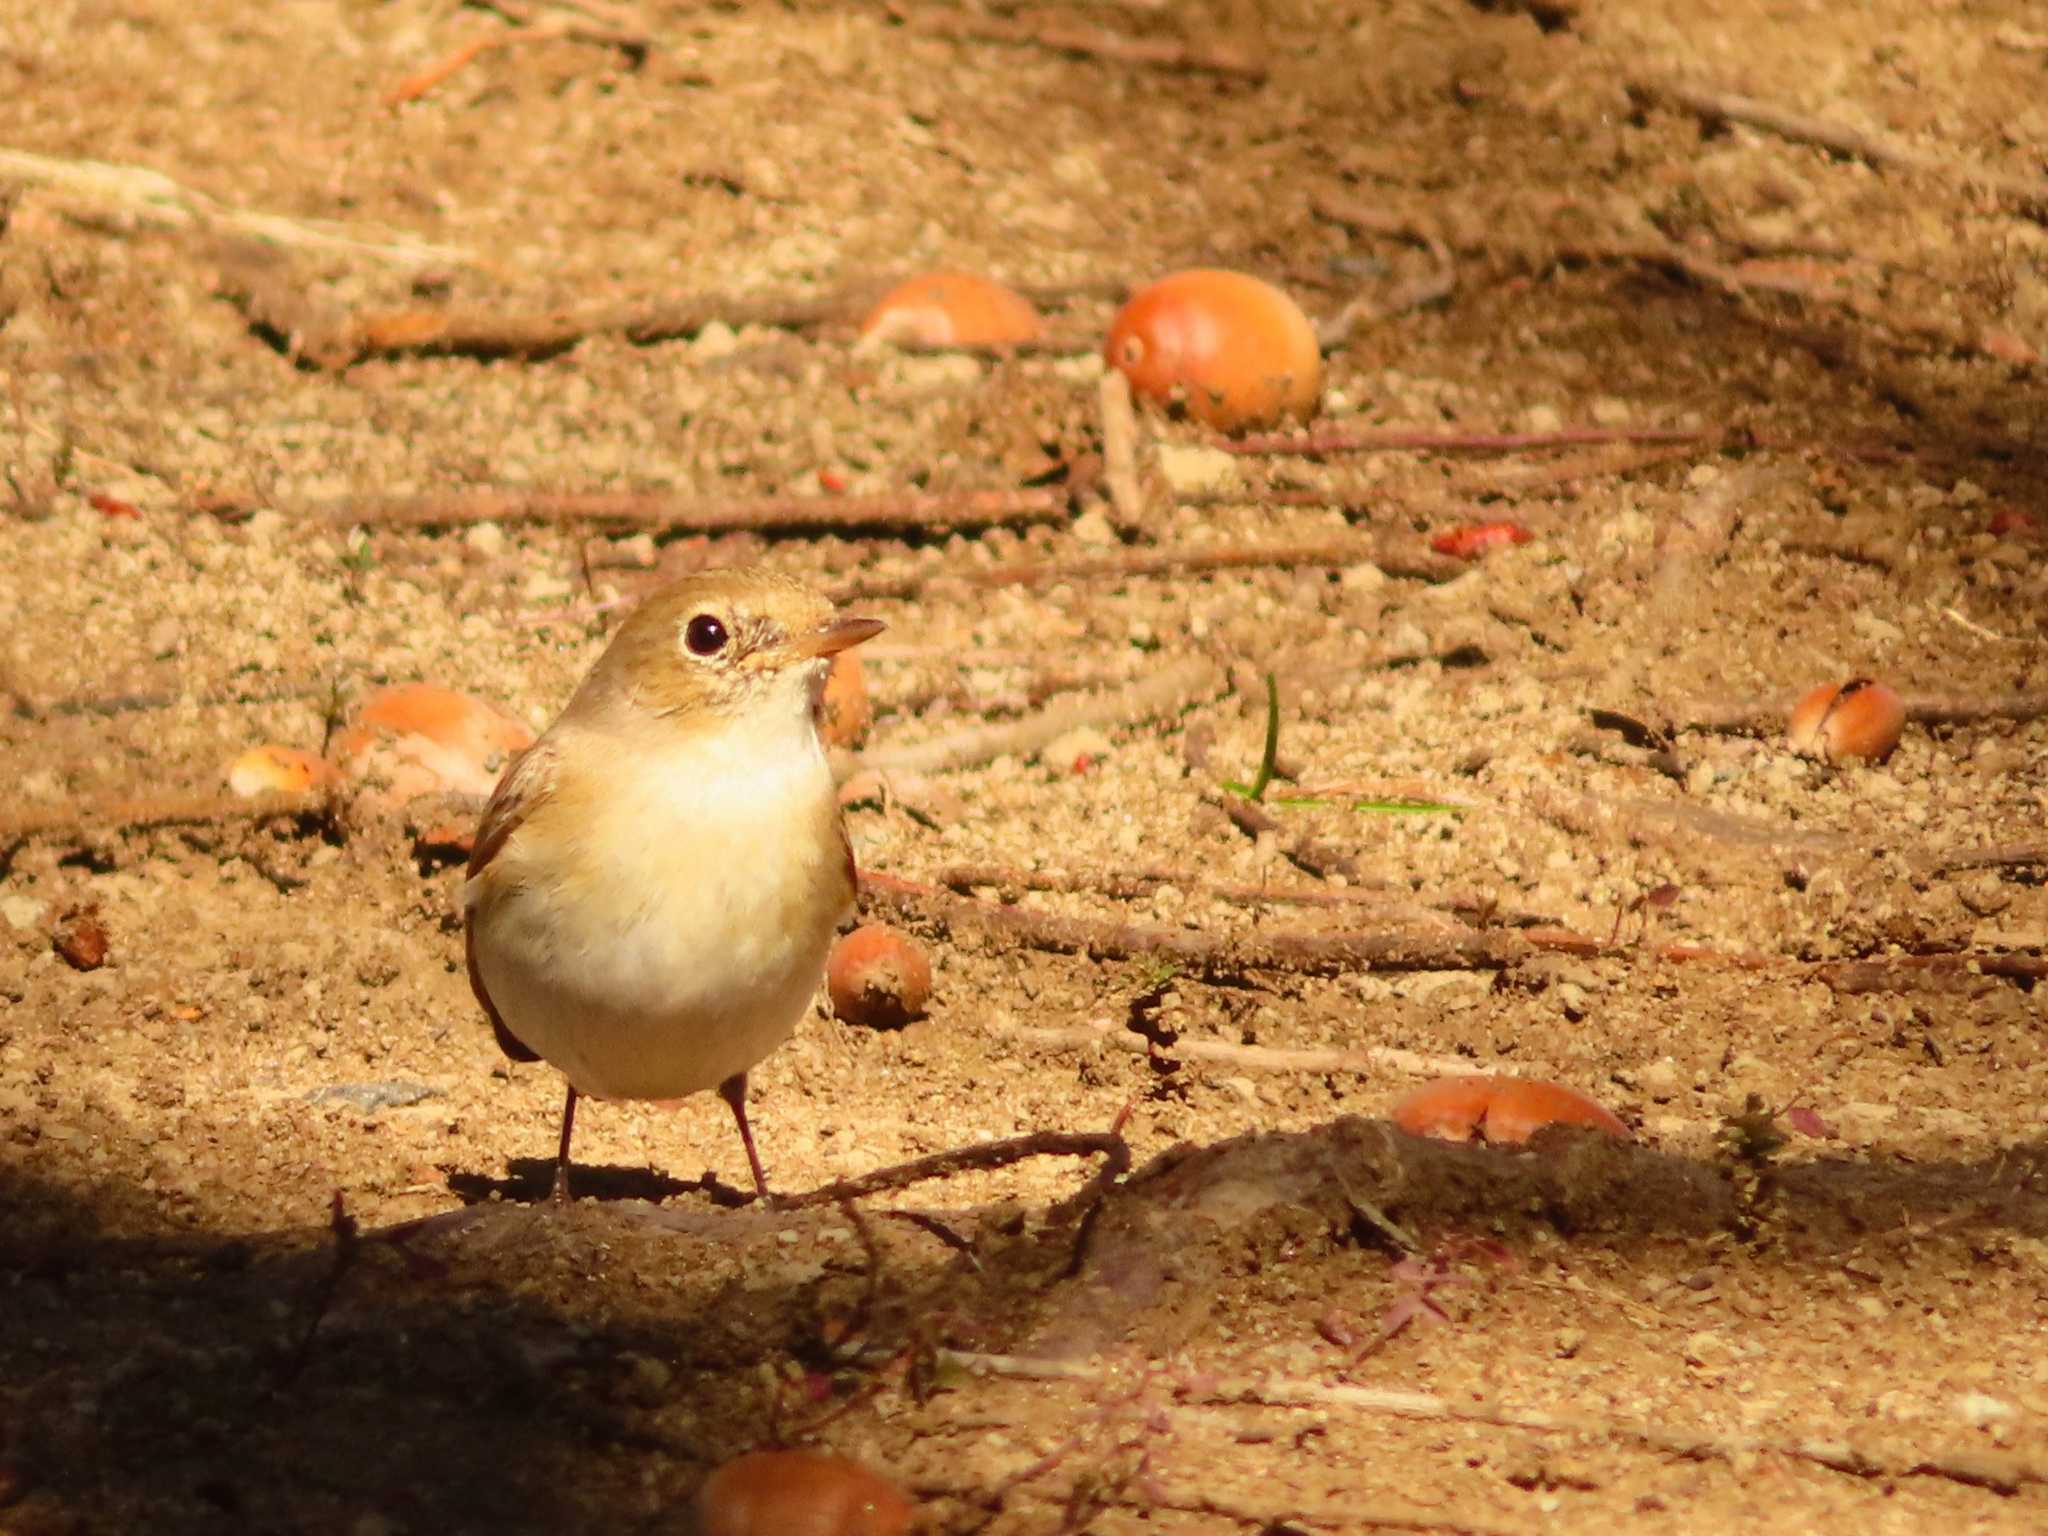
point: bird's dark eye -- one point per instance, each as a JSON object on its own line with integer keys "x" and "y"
{"x": 704, "y": 635}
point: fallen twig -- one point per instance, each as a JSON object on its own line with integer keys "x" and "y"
{"x": 347, "y": 1244}
{"x": 1254, "y": 1058}
{"x": 1170, "y": 689}
{"x": 336, "y": 340}
{"x": 2004, "y": 1470}
{"x": 2023, "y": 193}
{"x": 1474, "y": 237}
{"x": 1319, "y": 444}
{"x": 1402, "y": 556}
{"x": 666, "y": 510}
{"x": 1069, "y": 35}
{"x": 1914, "y": 973}
{"x": 101, "y": 817}
{"x": 1748, "y": 719}
{"x": 528, "y": 26}
{"x": 1208, "y": 953}
{"x": 1138, "y": 883}
{"x": 1997, "y": 856}
{"x": 973, "y": 1159}
{"x": 156, "y": 199}
{"x": 415, "y": 86}
{"x": 1120, "y": 453}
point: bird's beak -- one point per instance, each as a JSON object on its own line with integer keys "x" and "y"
{"x": 839, "y": 635}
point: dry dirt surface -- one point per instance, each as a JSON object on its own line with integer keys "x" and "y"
{"x": 348, "y": 343}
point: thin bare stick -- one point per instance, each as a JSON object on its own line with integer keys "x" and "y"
{"x": 1927, "y": 973}
{"x": 2009, "y": 1470}
{"x": 584, "y": 21}
{"x": 1402, "y": 556}
{"x": 975, "y": 1159}
{"x": 2023, "y": 193}
{"x": 1120, "y": 452}
{"x": 156, "y": 199}
{"x": 1169, "y": 690}
{"x": 1130, "y": 884}
{"x": 1316, "y": 445}
{"x": 415, "y": 86}
{"x": 1728, "y": 718}
{"x": 1997, "y": 856}
{"x": 1475, "y": 237}
{"x": 666, "y": 510}
{"x": 1254, "y": 1058}
{"x": 1308, "y": 854}
{"x": 1065, "y": 34}
{"x": 1316, "y": 953}
{"x": 99, "y": 817}
{"x": 528, "y": 27}
{"x": 325, "y": 338}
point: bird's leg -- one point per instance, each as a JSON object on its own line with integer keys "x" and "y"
{"x": 561, "y": 1191}
{"x": 734, "y": 1091}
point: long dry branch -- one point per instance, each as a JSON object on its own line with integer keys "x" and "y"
{"x": 2024, "y": 193}
{"x": 1318, "y": 444}
{"x": 1475, "y": 237}
{"x": 100, "y": 817}
{"x": 980, "y": 1157}
{"x": 1070, "y": 34}
{"x": 665, "y": 511}
{"x": 1251, "y": 1058}
{"x": 154, "y": 198}
{"x": 1733, "y": 718}
{"x": 1127, "y": 884}
{"x": 2005, "y": 1470}
{"x": 1167, "y": 691}
{"x": 1319, "y": 953}
{"x": 1400, "y": 556}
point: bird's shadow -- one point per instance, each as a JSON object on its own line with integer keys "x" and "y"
{"x": 531, "y": 1181}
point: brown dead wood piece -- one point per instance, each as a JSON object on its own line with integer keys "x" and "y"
{"x": 1317, "y": 444}
{"x": 1731, "y": 718}
{"x": 1172, "y": 688}
{"x": 971, "y": 1159}
{"x": 1131, "y": 884}
{"x": 668, "y": 510}
{"x": 1930, "y": 973}
{"x": 1069, "y": 34}
{"x": 529, "y": 25}
{"x": 1996, "y": 856}
{"x": 100, "y": 817}
{"x": 152, "y": 198}
{"x": 1253, "y": 1058}
{"x": 2004, "y": 1470}
{"x": 1120, "y": 474}
{"x": 1738, "y": 279}
{"x": 1317, "y": 953}
{"x": 335, "y": 340}
{"x": 2024, "y": 193}
{"x": 1399, "y": 556}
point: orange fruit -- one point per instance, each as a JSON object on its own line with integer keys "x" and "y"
{"x": 1858, "y": 718}
{"x": 952, "y": 309}
{"x": 1501, "y": 1109}
{"x": 878, "y": 977}
{"x": 1234, "y": 351}
{"x": 798, "y": 1493}
{"x": 271, "y": 770}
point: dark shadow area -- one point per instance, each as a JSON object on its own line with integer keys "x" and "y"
{"x": 528, "y": 1180}
{"x": 531, "y": 1367}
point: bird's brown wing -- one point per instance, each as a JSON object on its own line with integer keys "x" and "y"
{"x": 526, "y": 782}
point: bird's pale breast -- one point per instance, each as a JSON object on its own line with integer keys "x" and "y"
{"x": 657, "y": 936}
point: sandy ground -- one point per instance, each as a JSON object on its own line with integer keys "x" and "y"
{"x": 1701, "y": 1330}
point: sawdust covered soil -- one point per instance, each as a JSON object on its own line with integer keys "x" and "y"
{"x": 270, "y": 1251}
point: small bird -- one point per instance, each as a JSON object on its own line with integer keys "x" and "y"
{"x": 657, "y": 878}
